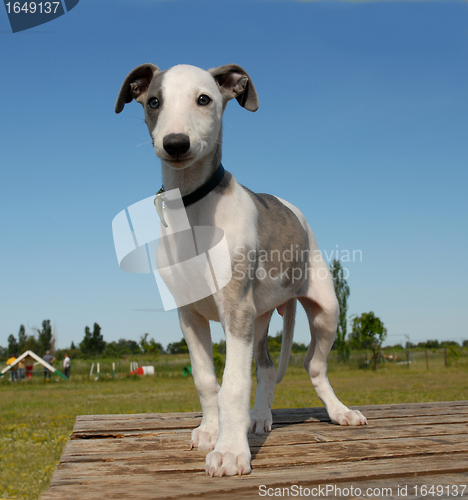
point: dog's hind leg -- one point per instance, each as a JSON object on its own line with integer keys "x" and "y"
{"x": 196, "y": 330}
{"x": 260, "y": 416}
{"x": 322, "y": 310}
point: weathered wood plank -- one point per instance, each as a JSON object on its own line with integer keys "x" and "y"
{"x": 372, "y": 413}
{"x": 384, "y": 423}
{"x": 196, "y": 484}
{"x": 156, "y": 461}
{"x": 85, "y": 428}
{"x": 282, "y": 411}
{"x": 139, "y": 416}
{"x": 286, "y": 436}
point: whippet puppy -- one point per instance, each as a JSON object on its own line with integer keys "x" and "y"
{"x": 274, "y": 261}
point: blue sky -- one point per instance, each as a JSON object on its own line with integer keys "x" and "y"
{"x": 363, "y": 125}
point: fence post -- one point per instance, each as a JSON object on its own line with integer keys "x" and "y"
{"x": 427, "y": 361}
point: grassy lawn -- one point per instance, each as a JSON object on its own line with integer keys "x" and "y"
{"x": 36, "y": 417}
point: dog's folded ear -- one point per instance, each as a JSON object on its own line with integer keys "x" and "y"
{"x": 233, "y": 82}
{"x": 135, "y": 85}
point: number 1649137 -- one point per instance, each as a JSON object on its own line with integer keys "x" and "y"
{"x": 439, "y": 490}
{"x": 32, "y": 7}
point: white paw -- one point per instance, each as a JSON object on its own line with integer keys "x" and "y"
{"x": 349, "y": 417}
{"x": 260, "y": 421}
{"x": 231, "y": 463}
{"x": 204, "y": 437}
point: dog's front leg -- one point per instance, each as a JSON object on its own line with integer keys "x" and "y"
{"x": 196, "y": 330}
{"x": 231, "y": 455}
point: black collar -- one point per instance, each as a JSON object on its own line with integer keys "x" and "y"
{"x": 204, "y": 189}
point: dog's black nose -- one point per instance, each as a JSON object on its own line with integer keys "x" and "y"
{"x": 176, "y": 144}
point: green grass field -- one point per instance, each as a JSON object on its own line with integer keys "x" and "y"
{"x": 36, "y": 417}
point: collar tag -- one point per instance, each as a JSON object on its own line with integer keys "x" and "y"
{"x": 159, "y": 204}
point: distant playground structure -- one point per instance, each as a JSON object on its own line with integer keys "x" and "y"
{"x": 29, "y": 359}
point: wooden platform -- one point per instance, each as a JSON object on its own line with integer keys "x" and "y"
{"x": 147, "y": 456}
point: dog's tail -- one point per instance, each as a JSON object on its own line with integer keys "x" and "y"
{"x": 289, "y": 319}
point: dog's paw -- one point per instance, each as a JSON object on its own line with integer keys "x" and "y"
{"x": 260, "y": 421}
{"x": 204, "y": 437}
{"x": 228, "y": 463}
{"x": 349, "y": 417}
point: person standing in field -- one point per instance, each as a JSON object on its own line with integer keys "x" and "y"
{"x": 48, "y": 358}
{"x": 66, "y": 366}
{"x": 13, "y": 371}
{"x": 21, "y": 370}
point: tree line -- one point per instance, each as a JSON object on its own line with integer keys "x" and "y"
{"x": 42, "y": 341}
{"x": 92, "y": 345}
{"x": 368, "y": 333}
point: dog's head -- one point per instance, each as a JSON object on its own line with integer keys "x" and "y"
{"x": 184, "y": 106}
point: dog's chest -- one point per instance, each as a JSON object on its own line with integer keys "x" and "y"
{"x": 207, "y": 308}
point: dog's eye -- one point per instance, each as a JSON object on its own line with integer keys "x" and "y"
{"x": 203, "y": 100}
{"x": 153, "y": 103}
